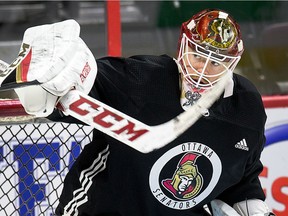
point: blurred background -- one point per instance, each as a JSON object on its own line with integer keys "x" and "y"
{"x": 147, "y": 27}
{"x": 152, "y": 27}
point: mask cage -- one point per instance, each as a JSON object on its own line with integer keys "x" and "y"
{"x": 199, "y": 79}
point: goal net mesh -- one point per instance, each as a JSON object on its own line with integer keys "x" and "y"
{"x": 36, "y": 155}
{"x": 34, "y": 160}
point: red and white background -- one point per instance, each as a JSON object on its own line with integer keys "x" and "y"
{"x": 274, "y": 177}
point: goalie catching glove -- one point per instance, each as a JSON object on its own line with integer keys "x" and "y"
{"x": 59, "y": 60}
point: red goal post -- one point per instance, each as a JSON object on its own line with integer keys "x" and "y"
{"x": 275, "y": 101}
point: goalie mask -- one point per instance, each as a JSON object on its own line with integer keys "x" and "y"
{"x": 209, "y": 45}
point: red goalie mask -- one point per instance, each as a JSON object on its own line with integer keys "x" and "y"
{"x": 213, "y": 37}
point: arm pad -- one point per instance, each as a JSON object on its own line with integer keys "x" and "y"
{"x": 252, "y": 207}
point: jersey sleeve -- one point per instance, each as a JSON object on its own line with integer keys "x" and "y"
{"x": 131, "y": 82}
{"x": 127, "y": 84}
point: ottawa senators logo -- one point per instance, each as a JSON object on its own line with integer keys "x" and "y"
{"x": 185, "y": 175}
{"x": 186, "y": 181}
{"x": 220, "y": 32}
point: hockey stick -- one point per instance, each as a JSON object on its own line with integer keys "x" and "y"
{"x": 52, "y": 48}
{"x": 114, "y": 123}
{"x": 126, "y": 129}
{"x": 7, "y": 70}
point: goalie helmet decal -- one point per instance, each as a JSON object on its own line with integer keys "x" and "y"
{"x": 219, "y": 32}
{"x": 215, "y": 30}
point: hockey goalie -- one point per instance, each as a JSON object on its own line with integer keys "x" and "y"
{"x": 209, "y": 162}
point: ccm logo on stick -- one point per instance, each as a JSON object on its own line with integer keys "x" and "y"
{"x": 107, "y": 118}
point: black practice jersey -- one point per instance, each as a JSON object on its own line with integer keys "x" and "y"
{"x": 218, "y": 157}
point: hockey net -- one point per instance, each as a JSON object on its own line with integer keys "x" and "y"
{"x": 35, "y": 156}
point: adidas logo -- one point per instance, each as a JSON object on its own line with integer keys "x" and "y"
{"x": 242, "y": 145}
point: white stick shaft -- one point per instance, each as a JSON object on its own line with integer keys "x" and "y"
{"x": 130, "y": 131}
{"x": 122, "y": 127}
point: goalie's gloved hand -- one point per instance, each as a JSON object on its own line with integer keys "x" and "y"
{"x": 249, "y": 207}
{"x": 59, "y": 60}
{"x": 252, "y": 207}
{"x": 79, "y": 73}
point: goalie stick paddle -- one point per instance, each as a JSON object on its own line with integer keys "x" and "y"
{"x": 128, "y": 130}
{"x": 8, "y": 75}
